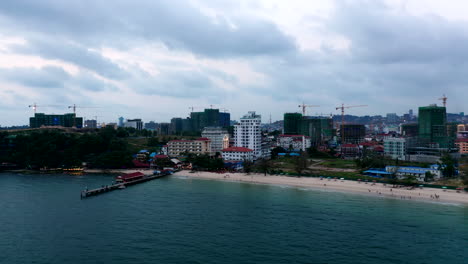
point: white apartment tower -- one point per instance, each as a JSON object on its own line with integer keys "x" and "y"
{"x": 248, "y": 134}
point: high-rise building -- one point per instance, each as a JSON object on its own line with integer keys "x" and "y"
{"x": 209, "y": 117}
{"x": 317, "y": 128}
{"x": 219, "y": 138}
{"x": 90, "y": 124}
{"x": 121, "y": 121}
{"x": 392, "y": 118}
{"x": 66, "y": 120}
{"x": 432, "y": 124}
{"x": 248, "y": 134}
{"x": 176, "y": 125}
{"x": 151, "y": 125}
{"x": 164, "y": 129}
{"x": 135, "y": 123}
{"x": 292, "y": 123}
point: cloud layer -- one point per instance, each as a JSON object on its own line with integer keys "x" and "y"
{"x": 153, "y": 59}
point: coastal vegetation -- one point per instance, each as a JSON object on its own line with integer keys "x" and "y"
{"x": 55, "y": 148}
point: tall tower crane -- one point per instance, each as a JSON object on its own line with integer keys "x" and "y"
{"x": 35, "y": 106}
{"x": 444, "y": 100}
{"x": 193, "y": 108}
{"x": 304, "y": 106}
{"x": 342, "y": 108}
{"x": 74, "y": 106}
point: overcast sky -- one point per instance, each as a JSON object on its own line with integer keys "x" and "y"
{"x": 155, "y": 59}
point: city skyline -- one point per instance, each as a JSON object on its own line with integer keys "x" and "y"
{"x": 153, "y": 60}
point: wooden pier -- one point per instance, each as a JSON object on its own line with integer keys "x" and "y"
{"x": 118, "y": 186}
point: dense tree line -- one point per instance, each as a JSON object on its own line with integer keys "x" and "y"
{"x": 106, "y": 148}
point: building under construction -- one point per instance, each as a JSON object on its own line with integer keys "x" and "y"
{"x": 66, "y": 120}
{"x": 352, "y": 133}
{"x": 409, "y": 129}
{"x": 432, "y": 124}
{"x": 319, "y": 129}
{"x": 209, "y": 118}
{"x": 292, "y": 123}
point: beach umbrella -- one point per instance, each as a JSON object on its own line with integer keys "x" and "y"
{"x": 444, "y": 187}
{"x": 341, "y": 178}
{"x": 421, "y": 185}
{"x": 459, "y": 188}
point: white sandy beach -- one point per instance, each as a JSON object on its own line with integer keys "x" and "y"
{"x": 372, "y": 189}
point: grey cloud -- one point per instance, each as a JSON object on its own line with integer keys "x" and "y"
{"x": 391, "y": 58}
{"x": 52, "y": 77}
{"x": 380, "y": 34}
{"x": 177, "y": 24}
{"x": 47, "y": 77}
{"x": 183, "y": 84}
{"x": 70, "y": 52}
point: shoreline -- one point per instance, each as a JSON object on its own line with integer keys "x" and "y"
{"x": 346, "y": 186}
{"x": 87, "y": 171}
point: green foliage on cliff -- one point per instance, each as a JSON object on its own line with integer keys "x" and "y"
{"x": 106, "y": 148}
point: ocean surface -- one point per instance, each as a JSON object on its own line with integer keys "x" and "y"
{"x": 180, "y": 220}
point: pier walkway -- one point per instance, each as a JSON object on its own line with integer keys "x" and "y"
{"x": 118, "y": 186}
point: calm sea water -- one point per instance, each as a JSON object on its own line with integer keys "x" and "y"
{"x": 177, "y": 220}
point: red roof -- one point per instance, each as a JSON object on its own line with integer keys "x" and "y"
{"x": 237, "y": 149}
{"x": 139, "y": 164}
{"x": 186, "y": 140}
{"x": 293, "y": 136}
{"x": 368, "y": 144}
{"x": 131, "y": 175}
{"x": 459, "y": 140}
{"x": 161, "y": 156}
{"x": 349, "y": 146}
{"x": 379, "y": 148}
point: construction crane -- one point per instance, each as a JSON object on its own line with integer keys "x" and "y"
{"x": 35, "y": 106}
{"x": 74, "y": 107}
{"x": 343, "y": 107}
{"x": 193, "y": 108}
{"x": 304, "y": 106}
{"x": 444, "y": 100}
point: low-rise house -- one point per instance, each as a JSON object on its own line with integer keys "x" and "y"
{"x": 294, "y": 142}
{"x": 349, "y": 150}
{"x": 418, "y": 172}
{"x": 198, "y": 146}
{"x": 237, "y": 154}
{"x": 462, "y": 145}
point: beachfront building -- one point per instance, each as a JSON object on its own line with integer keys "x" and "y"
{"x": 294, "y": 142}
{"x": 237, "y": 154}
{"x": 247, "y": 134}
{"x": 395, "y": 148}
{"x": 418, "y": 172}
{"x": 198, "y": 146}
{"x": 219, "y": 138}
